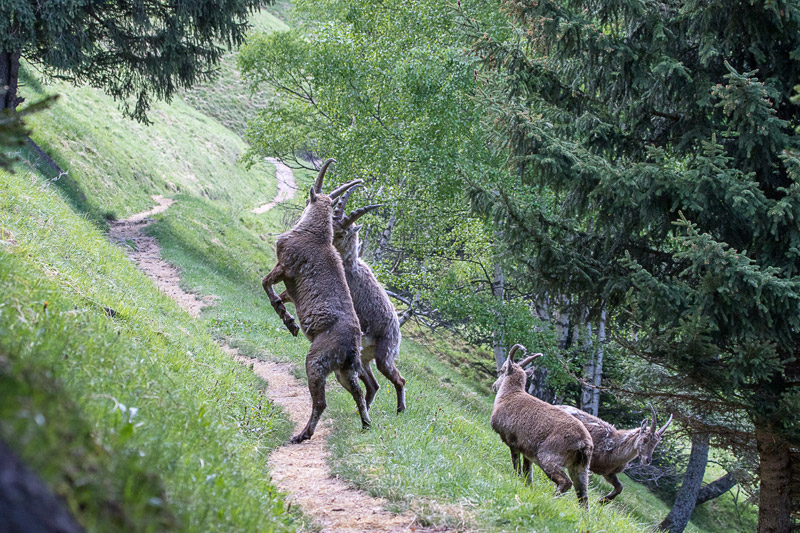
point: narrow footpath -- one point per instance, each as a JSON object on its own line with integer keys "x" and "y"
{"x": 299, "y": 470}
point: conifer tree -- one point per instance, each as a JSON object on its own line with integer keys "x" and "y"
{"x": 658, "y": 175}
{"x": 138, "y": 49}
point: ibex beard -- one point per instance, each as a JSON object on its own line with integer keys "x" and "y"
{"x": 312, "y": 272}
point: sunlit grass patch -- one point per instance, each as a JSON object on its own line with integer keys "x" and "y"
{"x": 158, "y": 396}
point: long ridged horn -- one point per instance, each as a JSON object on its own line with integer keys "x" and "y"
{"x": 530, "y": 358}
{"x": 321, "y": 175}
{"x": 341, "y": 205}
{"x": 342, "y": 188}
{"x": 655, "y": 418}
{"x": 663, "y": 429}
{"x": 358, "y": 213}
{"x": 514, "y": 350}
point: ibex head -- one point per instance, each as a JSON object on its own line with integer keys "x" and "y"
{"x": 345, "y": 230}
{"x": 649, "y": 437}
{"x": 316, "y": 216}
{"x": 514, "y": 371}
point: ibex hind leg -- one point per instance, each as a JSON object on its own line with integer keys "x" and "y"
{"x": 349, "y": 380}
{"x": 365, "y": 374}
{"x": 555, "y": 472}
{"x": 316, "y": 386}
{"x": 385, "y": 352}
{"x": 579, "y": 474}
{"x": 370, "y": 383}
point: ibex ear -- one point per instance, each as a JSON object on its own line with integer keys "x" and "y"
{"x": 312, "y": 195}
{"x": 357, "y": 227}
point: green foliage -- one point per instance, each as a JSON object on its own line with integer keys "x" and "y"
{"x": 135, "y": 51}
{"x": 387, "y": 91}
{"x": 13, "y": 131}
{"x": 665, "y": 136}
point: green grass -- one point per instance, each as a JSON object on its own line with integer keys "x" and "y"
{"x": 115, "y": 165}
{"x": 228, "y": 98}
{"x": 168, "y": 430}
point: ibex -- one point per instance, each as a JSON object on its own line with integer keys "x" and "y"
{"x": 311, "y": 269}
{"x": 380, "y": 328}
{"x": 542, "y": 433}
{"x": 615, "y": 448}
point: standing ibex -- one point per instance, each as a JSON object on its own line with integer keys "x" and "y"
{"x": 615, "y": 448}
{"x": 311, "y": 269}
{"x": 541, "y": 432}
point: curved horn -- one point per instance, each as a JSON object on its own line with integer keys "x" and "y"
{"x": 514, "y": 350}
{"x": 655, "y": 418}
{"x": 342, "y": 188}
{"x": 530, "y": 358}
{"x": 321, "y": 175}
{"x": 341, "y": 202}
{"x": 358, "y": 213}
{"x": 663, "y": 429}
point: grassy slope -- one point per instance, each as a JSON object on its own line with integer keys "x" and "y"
{"x": 115, "y": 164}
{"x": 156, "y": 402}
{"x": 139, "y": 421}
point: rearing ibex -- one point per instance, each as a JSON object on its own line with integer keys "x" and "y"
{"x": 311, "y": 269}
{"x": 380, "y": 328}
{"x": 615, "y": 448}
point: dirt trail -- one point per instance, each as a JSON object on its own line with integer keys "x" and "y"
{"x": 145, "y": 252}
{"x": 299, "y": 470}
{"x": 287, "y": 187}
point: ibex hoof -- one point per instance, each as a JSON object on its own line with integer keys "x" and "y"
{"x": 297, "y": 439}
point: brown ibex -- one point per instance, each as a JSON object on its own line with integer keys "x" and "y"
{"x": 311, "y": 269}
{"x": 380, "y": 327}
{"x": 542, "y": 433}
{"x": 615, "y": 448}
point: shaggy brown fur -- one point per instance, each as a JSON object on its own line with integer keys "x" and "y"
{"x": 542, "y": 433}
{"x": 615, "y": 448}
{"x": 380, "y": 328}
{"x": 311, "y": 269}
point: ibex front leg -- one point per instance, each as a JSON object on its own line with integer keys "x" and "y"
{"x": 276, "y": 276}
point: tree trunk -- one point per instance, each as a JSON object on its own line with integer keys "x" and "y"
{"x": 681, "y": 511}
{"x": 26, "y": 503}
{"x": 588, "y": 371}
{"x": 9, "y": 80}
{"x": 598, "y": 362}
{"x": 383, "y": 242}
{"x": 498, "y": 338}
{"x": 716, "y": 488}
{"x": 774, "y": 504}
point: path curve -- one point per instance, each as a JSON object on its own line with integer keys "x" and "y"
{"x": 146, "y": 253}
{"x": 299, "y": 470}
{"x": 287, "y": 187}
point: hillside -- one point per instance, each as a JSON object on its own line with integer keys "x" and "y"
{"x": 163, "y": 429}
